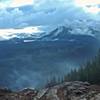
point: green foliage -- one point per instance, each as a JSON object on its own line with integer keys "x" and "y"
{"x": 90, "y": 72}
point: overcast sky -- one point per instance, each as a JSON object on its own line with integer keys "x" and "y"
{"x": 31, "y": 13}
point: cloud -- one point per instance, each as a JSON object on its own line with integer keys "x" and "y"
{"x": 18, "y": 3}
{"x": 91, "y": 6}
{"x": 9, "y": 18}
{"x": 9, "y": 33}
{"x": 15, "y": 3}
{"x": 87, "y": 2}
{"x": 41, "y": 13}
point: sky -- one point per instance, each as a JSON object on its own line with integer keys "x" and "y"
{"x": 33, "y": 14}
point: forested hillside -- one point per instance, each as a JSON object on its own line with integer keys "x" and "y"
{"x": 89, "y": 72}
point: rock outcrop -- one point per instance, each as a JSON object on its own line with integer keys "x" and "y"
{"x": 65, "y": 91}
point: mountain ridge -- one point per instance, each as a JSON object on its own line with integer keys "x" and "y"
{"x": 59, "y": 32}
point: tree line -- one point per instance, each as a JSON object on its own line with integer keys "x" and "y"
{"x": 90, "y": 72}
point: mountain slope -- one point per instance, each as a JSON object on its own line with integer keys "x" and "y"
{"x": 65, "y": 91}
{"x": 24, "y": 59}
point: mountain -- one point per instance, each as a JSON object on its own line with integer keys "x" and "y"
{"x": 39, "y": 57}
{"x": 62, "y": 33}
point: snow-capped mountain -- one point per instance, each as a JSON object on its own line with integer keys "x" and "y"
{"x": 66, "y": 33}
{"x": 75, "y": 28}
{"x": 63, "y": 32}
{"x": 53, "y": 51}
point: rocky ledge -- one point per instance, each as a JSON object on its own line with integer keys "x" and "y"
{"x": 65, "y": 91}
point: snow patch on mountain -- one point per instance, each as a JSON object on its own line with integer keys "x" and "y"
{"x": 28, "y": 40}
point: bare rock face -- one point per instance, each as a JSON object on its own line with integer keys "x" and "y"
{"x": 65, "y": 91}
